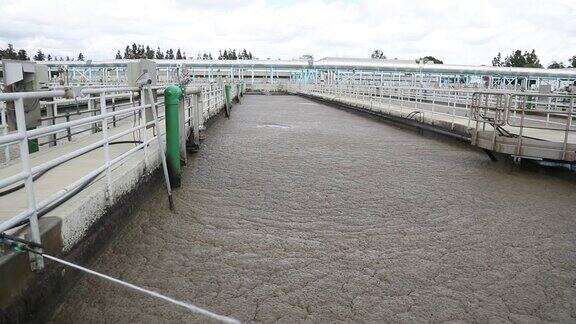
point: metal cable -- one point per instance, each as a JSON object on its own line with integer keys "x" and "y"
{"x": 21, "y": 245}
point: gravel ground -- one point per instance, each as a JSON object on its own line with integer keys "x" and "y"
{"x": 294, "y": 211}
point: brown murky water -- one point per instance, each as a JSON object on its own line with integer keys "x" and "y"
{"x": 294, "y": 211}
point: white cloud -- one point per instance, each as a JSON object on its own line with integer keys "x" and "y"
{"x": 459, "y": 32}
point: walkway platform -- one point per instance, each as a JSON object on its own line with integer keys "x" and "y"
{"x": 536, "y": 143}
{"x": 85, "y": 207}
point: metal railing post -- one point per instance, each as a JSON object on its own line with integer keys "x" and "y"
{"x": 160, "y": 144}
{"x": 51, "y": 113}
{"x": 568, "y": 126}
{"x": 238, "y": 92}
{"x": 90, "y": 108}
{"x": 228, "y": 98}
{"x": 68, "y": 130}
{"x": 36, "y": 261}
{"x": 454, "y": 110}
{"x": 113, "y": 110}
{"x": 196, "y": 118}
{"x": 144, "y": 123}
{"x": 434, "y": 93}
{"x": 4, "y": 122}
{"x": 106, "y": 146}
{"x": 182, "y": 129}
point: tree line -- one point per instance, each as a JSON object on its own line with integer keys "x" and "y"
{"x": 529, "y": 59}
{"x": 230, "y": 54}
{"x": 10, "y": 53}
{"x": 134, "y": 51}
{"x": 516, "y": 59}
{"x": 138, "y": 51}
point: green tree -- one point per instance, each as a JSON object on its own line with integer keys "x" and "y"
{"x": 48, "y": 57}
{"x": 22, "y": 55}
{"x": 80, "y": 57}
{"x": 528, "y": 59}
{"x": 127, "y": 53}
{"x": 243, "y": 55}
{"x": 141, "y": 51}
{"x": 149, "y": 52}
{"x": 178, "y": 54}
{"x": 39, "y": 56}
{"x": 497, "y": 60}
{"x": 159, "y": 55}
{"x": 9, "y": 53}
{"x": 169, "y": 54}
{"x": 556, "y": 65}
{"x": 118, "y": 55}
{"x": 378, "y": 54}
{"x": 516, "y": 59}
{"x": 135, "y": 51}
{"x": 572, "y": 61}
{"x": 427, "y": 59}
{"x": 532, "y": 60}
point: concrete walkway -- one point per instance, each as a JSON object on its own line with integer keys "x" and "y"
{"x": 294, "y": 211}
{"x": 445, "y": 115}
{"x": 124, "y": 176}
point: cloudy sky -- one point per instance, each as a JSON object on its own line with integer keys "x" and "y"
{"x": 456, "y": 31}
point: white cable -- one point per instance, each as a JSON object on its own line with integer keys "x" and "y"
{"x": 194, "y": 309}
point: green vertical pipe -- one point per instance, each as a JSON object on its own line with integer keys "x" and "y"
{"x": 172, "y": 96}
{"x": 228, "y": 94}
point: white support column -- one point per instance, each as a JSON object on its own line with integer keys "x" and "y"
{"x": 143, "y": 131}
{"x": 4, "y": 122}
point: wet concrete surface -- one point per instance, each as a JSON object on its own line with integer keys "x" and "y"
{"x": 294, "y": 211}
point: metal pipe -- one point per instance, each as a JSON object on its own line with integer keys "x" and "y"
{"x": 12, "y": 96}
{"x": 10, "y": 223}
{"x": 228, "y": 99}
{"x": 172, "y": 96}
{"x": 161, "y": 148}
{"x": 36, "y": 263}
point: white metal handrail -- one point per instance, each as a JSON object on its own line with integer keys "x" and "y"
{"x": 504, "y": 112}
{"x": 198, "y": 105}
{"x": 28, "y": 172}
{"x": 453, "y": 103}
